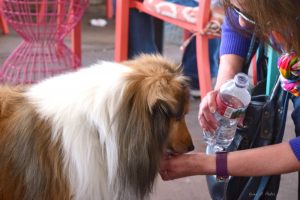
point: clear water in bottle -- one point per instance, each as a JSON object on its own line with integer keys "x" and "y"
{"x": 227, "y": 126}
{"x": 209, "y": 138}
{"x": 231, "y": 101}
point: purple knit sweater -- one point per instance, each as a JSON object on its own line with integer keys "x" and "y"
{"x": 235, "y": 43}
{"x": 232, "y": 42}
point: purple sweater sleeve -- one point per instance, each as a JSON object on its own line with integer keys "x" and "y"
{"x": 233, "y": 42}
{"x": 295, "y": 145}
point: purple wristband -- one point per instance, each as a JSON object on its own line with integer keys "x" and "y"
{"x": 221, "y": 165}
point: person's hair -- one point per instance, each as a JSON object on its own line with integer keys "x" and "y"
{"x": 282, "y": 16}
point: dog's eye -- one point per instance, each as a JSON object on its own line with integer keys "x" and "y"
{"x": 179, "y": 118}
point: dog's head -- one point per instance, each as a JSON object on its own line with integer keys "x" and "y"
{"x": 164, "y": 92}
{"x": 151, "y": 119}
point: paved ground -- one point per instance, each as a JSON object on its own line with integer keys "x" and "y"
{"x": 98, "y": 44}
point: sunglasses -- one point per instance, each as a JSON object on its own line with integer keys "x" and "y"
{"x": 243, "y": 15}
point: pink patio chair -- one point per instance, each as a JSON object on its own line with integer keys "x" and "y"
{"x": 196, "y": 20}
{"x": 43, "y": 25}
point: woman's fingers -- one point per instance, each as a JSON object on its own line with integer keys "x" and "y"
{"x": 207, "y": 107}
{"x": 212, "y": 101}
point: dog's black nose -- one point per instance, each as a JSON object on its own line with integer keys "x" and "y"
{"x": 191, "y": 148}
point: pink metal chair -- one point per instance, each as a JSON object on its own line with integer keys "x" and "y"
{"x": 199, "y": 28}
{"x": 43, "y": 25}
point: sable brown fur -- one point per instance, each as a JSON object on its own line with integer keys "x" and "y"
{"x": 152, "y": 113}
{"x": 99, "y": 140}
{"x": 30, "y": 165}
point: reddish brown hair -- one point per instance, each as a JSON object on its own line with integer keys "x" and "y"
{"x": 274, "y": 15}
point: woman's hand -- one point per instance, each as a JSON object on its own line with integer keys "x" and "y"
{"x": 230, "y": 65}
{"x": 173, "y": 167}
{"x": 207, "y": 107}
{"x": 190, "y": 164}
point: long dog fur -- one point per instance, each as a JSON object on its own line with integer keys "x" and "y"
{"x": 97, "y": 133}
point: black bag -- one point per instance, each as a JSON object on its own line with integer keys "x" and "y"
{"x": 264, "y": 124}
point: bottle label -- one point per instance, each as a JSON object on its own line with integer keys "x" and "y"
{"x": 228, "y": 110}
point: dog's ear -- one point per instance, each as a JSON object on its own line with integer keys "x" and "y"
{"x": 164, "y": 97}
{"x": 142, "y": 126}
{"x": 142, "y": 122}
{"x": 168, "y": 100}
{"x": 161, "y": 113}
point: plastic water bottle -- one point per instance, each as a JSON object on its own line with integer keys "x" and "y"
{"x": 232, "y": 101}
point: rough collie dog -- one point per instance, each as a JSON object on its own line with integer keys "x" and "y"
{"x": 97, "y": 133}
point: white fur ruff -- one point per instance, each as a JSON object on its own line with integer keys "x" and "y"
{"x": 95, "y": 134}
{"x": 79, "y": 106}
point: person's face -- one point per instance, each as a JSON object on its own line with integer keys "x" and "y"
{"x": 276, "y": 40}
{"x": 244, "y": 19}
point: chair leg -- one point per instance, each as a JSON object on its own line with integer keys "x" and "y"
{"x": 122, "y": 29}
{"x": 159, "y": 34}
{"x": 42, "y": 12}
{"x": 203, "y": 64}
{"x": 76, "y": 44}
{"x": 3, "y": 26}
{"x": 109, "y": 9}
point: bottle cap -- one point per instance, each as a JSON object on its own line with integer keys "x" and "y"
{"x": 241, "y": 80}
